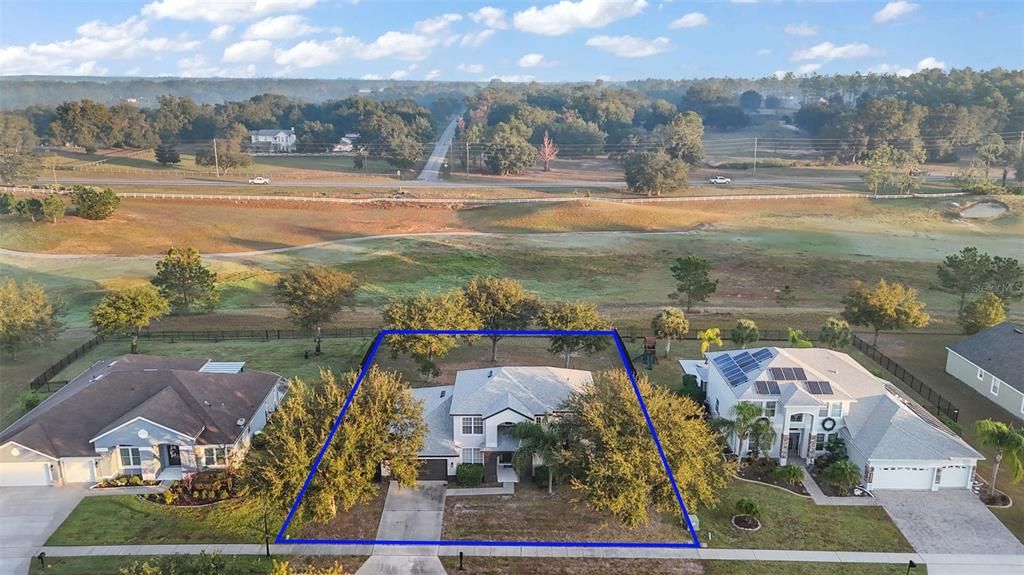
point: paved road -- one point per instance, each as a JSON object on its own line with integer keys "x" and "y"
{"x": 436, "y": 183}
{"x": 432, "y": 169}
{"x": 28, "y": 516}
{"x": 952, "y": 521}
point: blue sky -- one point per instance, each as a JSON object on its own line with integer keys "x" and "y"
{"x": 467, "y": 40}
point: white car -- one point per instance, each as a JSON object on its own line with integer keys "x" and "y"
{"x": 719, "y": 180}
{"x": 259, "y": 180}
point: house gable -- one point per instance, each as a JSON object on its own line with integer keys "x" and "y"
{"x": 140, "y": 431}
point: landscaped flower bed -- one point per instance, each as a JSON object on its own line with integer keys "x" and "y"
{"x": 765, "y": 471}
{"x": 201, "y": 488}
{"x": 126, "y": 481}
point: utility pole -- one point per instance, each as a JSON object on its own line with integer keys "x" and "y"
{"x": 216, "y": 160}
{"x": 1020, "y": 144}
{"x": 755, "y": 157}
{"x": 467, "y": 160}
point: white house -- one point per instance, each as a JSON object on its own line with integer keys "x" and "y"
{"x": 272, "y": 141}
{"x": 469, "y": 422}
{"x": 158, "y": 417}
{"x": 813, "y": 395}
{"x": 992, "y": 363}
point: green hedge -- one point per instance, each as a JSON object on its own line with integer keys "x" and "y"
{"x": 469, "y": 474}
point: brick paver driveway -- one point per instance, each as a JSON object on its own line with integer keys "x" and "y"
{"x": 948, "y": 522}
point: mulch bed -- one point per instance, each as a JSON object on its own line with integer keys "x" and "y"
{"x": 997, "y": 500}
{"x": 762, "y": 471}
{"x": 746, "y": 522}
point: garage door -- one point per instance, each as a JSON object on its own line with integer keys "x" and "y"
{"x": 79, "y": 470}
{"x": 433, "y": 470}
{"x": 954, "y": 476}
{"x": 902, "y": 478}
{"x": 24, "y": 474}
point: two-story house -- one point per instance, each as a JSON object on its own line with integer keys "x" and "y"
{"x": 992, "y": 363}
{"x": 272, "y": 141}
{"x": 470, "y": 421}
{"x": 158, "y": 417}
{"x": 812, "y": 395}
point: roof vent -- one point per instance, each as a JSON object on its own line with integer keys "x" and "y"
{"x": 443, "y": 391}
{"x": 240, "y": 422}
{"x": 490, "y": 373}
{"x": 207, "y": 403}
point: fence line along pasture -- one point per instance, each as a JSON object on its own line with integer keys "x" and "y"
{"x": 942, "y": 405}
{"x": 495, "y": 201}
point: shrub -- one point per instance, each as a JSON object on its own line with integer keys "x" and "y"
{"x": 135, "y": 480}
{"x": 169, "y": 497}
{"x": 469, "y": 474}
{"x": 540, "y": 476}
{"x": 223, "y": 495}
{"x": 952, "y": 425}
{"x": 6, "y": 203}
{"x": 29, "y": 401}
{"x": 749, "y": 507}
{"x": 789, "y": 473}
{"x": 842, "y": 474}
{"x": 195, "y": 494}
{"x": 207, "y": 494}
{"x": 94, "y": 204}
{"x": 259, "y": 441}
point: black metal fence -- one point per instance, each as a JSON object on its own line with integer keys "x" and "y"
{"x": 942, "y": 405}
{"x": 43, "y": 379}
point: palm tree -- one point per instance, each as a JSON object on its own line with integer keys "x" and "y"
{"x": 745, "y": 332}
{"x": 537, "y": 440}
{"x": 842, "y": 475}
{"x": 1007, "y": 444}
{"x": 709, "y": 337}
{"x": 744, "y": 417}
{"x": 762, "y": 436}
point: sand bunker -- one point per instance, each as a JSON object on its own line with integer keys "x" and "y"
{"x": 984, "y": 209}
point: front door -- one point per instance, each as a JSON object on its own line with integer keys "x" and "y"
{"x": 795, "y": 436}
{"x": 173, "y": 456}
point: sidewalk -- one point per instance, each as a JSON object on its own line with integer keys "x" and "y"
{"x": 507, "y": 488}
{"x": 931, "y": 559}
{"x": 820, "y": 498}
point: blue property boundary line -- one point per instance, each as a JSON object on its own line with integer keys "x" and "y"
{"x": 367, "y": 361}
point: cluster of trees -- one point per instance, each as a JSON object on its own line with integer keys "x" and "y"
{"x": 89, "y": 203}
{"x": 30, "y": 317}
{"x": 995, "y": 281}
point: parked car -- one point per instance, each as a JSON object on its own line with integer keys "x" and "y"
{"x": 259, "y": 180}
{"x": 719, "y": 180}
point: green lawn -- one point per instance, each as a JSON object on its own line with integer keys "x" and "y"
{"x": 243, "y": 564}
{"x": 794, "y": 522}
{"x": 581, "y": 566}
{"x": 790, "y": 568}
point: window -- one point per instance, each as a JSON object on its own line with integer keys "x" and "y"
{"x": 769, "y": 409}
{"x": 716, "y": 406}
{"x": 819, "y": 441}
{"x": 796, "y": 417}
{"x": 835, "y": 409}
{"x": 539, "y": 419}
{"x": 995, "y": 385}
{"x": 981, "y": 374}
{"x": 130, "y": 457}
{"x": 472, "y": 455}
{"x": 473, "y": 425}
{"x": 215, "y": 456}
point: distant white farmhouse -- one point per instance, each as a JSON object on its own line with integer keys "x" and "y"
{"x": 272, "y": 141}
{"x": 812, "y": 395}
{"x": 470, "y": 422}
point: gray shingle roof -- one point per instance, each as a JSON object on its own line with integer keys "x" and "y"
{"x": 883, "y": 428}
{"x": 440, "y": 437}
{"x": 167, "y": 391}
{"x": 537, "y": 390}
{"x": 998, "y": 350}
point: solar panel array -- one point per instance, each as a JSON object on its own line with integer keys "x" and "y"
{"x": 819, "y": 387}
{"x": 767, "y": 387}
{"x": 762, "y": 354}
{"x": 736, "y": 367}
{"x": 788, "y": 373}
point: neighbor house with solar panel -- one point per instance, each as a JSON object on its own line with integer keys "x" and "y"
{"x": 156, "y": 417}
{"x": 813, "y": 395}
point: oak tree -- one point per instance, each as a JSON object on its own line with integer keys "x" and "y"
{"x": 186, "y": 283}
{"x": 129, "y": 311}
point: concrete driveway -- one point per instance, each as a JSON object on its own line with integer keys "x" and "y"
{"x": 948, "y": 522}
{"x": 410, "y": 514}
{"x": 28, "y": 516}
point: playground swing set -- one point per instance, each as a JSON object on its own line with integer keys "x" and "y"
{"x": 648, "y": 354}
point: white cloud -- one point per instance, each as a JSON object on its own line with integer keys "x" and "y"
{"x": 371, "y": 77}
{"x": 517, "y": 78}
{"x": 931, "y": 62}
{"x": 801, "y": 29}
{"x": 314, "y": 53}
{"x": 890, "y": 69}
{"x": 828, "y": 51}
{"x": 220, "y": 12}
{"x": 894, "y": 10}
{"x": 197, "y": 67}
{"x": 96, "y": 41}
{"x": 531, "y": 60}
{"x": 249, "y": 51}
{"x": 630, "y": 46}
{"x": 780, "y": 74}
{"x": 490, "y": 16}
{"x": 470, "y": 68}
{"x": 807, "y": 69}
{"x": 89, "y": 68}
{"x": 566, "y": 16}
{"x": 432, "y": 74}
{"x": 604, "y": 77}
{"x": 398, "y": 74}
{"x": 691, "y": 20}
{"x": 764, "y": 51}
{"x": 475, "y": 40}
{"x": 221, "y": 32}
{"x": 280, "y": 27}
{"x": 310, "y": 54}
{"x": 438, "y": 25}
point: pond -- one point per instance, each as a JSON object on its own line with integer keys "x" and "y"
{"x": 984, "y": 209}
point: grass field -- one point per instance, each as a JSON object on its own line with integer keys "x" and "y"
{"x": 559, "y": 566}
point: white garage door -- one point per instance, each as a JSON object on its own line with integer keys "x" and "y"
{"x": 24, "y": 474}
{"x": 79, "y": 470}
{"x": 954, "y": 476}
{"x": 893, "y": 477}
